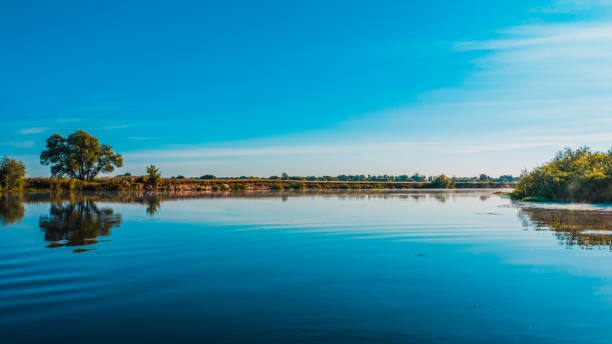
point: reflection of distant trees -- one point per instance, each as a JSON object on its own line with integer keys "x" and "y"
{"x": 11, "y": 209}
{"x": 77, "y": 223}
{"x": 585, "y": 228}
{"x": 442, "y": 197}
{"x": 151, "y": 198}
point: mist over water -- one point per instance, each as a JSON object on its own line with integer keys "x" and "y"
{"x": 421, "y": 266}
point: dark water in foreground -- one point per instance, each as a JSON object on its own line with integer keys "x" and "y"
{"x": 437, "y": 267}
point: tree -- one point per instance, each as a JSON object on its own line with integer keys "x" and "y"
{"x": 79, "y": 156}
{"x": 12, "y": 174}
{"x": 154, "y": 174}
{"x": 284, "y": 176}
{"x": 442, "y": 182}
{"x": 418, "y": 178}
{"x": 484, "y": 178}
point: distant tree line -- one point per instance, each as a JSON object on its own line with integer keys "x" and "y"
{"x": 81, "y": 158}
{"x": 383, "y": 178}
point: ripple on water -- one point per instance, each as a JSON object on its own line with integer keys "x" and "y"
{"x": 31, "y": 288}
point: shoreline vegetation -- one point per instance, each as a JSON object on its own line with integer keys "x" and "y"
{"x": 580, "y": 175}
{"x": 124, "y": 183}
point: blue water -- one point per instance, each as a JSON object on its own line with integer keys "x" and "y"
{"x": 439, "y": 267}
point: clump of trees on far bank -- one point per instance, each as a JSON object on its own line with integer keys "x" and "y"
{"x": 443, "y": 182}
{"x": 580, "y": 175}
{"x": 12, "y": 174}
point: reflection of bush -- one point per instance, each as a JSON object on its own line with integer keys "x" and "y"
{"x": 11, "y": 209}
{"x": 77, "y": 223}
{"x": 572, "y": 226}
{"x": 153, "y": 204}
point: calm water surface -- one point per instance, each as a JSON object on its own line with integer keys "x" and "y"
{"x": 437, "y": 267}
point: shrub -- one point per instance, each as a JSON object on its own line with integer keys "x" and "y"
{"x": 154, "y": 174}
{"x": 579, "y": 175}
{"x": 442, "y": 182}
{"x": 12, "y": 174}
{"x": 277, "y": 186}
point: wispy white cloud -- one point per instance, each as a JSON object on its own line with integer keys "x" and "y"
{"x": 544, "y": 36}
{"x": 111, "y": 127}
{"x": 569, "y": 6}
{"x": 527, "y": 142}
{"x": 21, "y": 144}
{"x": 36, "y": 130}
{"x": 141, "y": 138}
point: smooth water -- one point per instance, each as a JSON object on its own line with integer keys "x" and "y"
{"x": 420, "y": 267}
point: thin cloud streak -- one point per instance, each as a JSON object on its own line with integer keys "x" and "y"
{"x": 21, "y": 144}
{"x": 112, "y": 127}
{"x": 141, "y": 138}
{"x": 35, "y": 130}
{"x": 541, "y": 35}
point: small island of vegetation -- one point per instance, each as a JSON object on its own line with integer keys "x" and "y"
{"x": 580, "y": 175}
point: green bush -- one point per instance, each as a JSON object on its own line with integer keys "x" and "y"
{"x": 12, "y": 174}
{"x": 579, "y": 175}
{"x": 442, "y": 182}
{"x": 154, "y": 174}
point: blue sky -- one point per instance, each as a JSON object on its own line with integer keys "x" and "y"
{"x": 309, "y": 88}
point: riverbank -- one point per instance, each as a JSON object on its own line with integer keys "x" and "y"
{"x": 210, "y": 185}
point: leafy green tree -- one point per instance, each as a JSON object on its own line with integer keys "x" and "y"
{"x": 79, "y": 156}
{"x": 154, "y": 174}
{"x": 484, "y": 178}
{"x": 12, "y": 174}
{"x": 442, "y": 182}
{"x": 284, "y": 176}
{"x": 418, "y": 178}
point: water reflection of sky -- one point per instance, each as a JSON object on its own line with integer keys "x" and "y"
{"x": 351, "y": 267}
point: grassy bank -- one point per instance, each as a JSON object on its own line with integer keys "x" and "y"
{"x": 199, "y": 185}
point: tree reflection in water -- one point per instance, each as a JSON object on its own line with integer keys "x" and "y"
{"x": 153, "y": 204}
{"x": 77, "y": 224}
{"x": 584, "y": 228}
{"x": 11, "y": 209}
